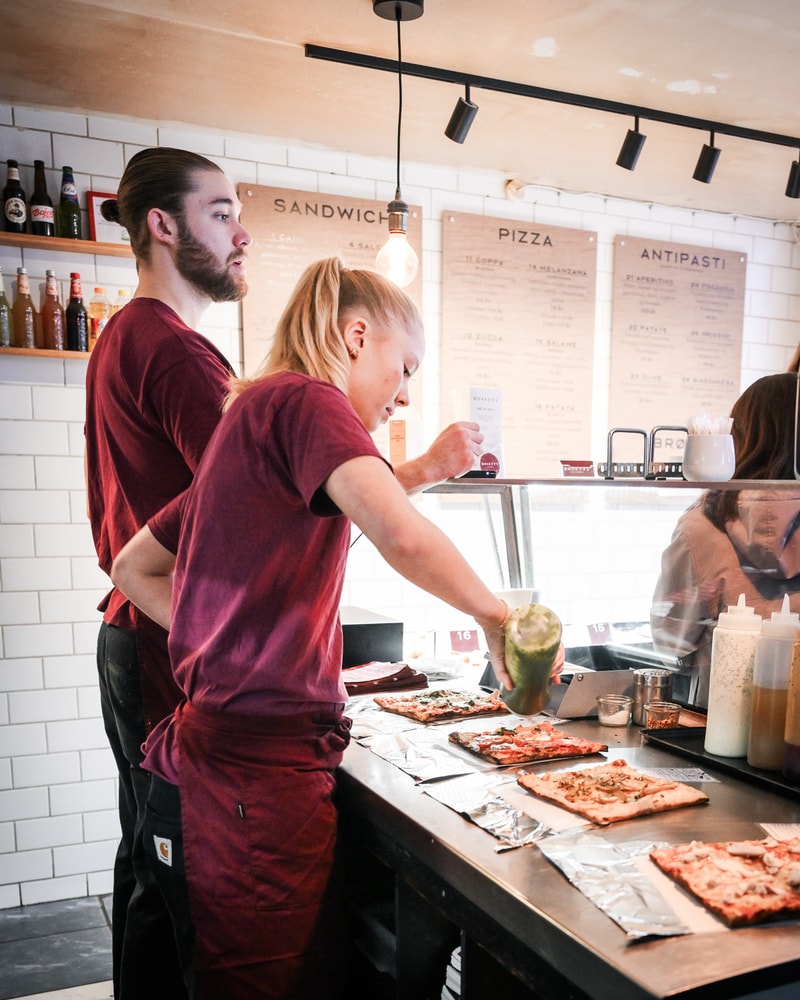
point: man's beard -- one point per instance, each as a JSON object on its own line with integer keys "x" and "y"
{"x": 198, "y": 265}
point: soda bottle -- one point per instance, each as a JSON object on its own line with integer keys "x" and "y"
{"x": 15, "y": 211}
{"x": 6, "y": 317}
{"x": 43, "y": 216}
{"x": 77, "y": 316}
{"x": 54, "y": 321}
{"x": 69, "y": 211}
{"x": 99, "y": 313}
{"x": 24, "y": 312}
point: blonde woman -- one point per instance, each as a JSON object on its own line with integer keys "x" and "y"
{"x": 255, "y": 639}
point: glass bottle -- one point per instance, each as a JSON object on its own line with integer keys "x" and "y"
{"x": 99, "y": 313}
{"x": 791, "y": 746}
{"x": 733, "y": 649}
{"x": 69, "y": 210}
{"x": 54, "y": 321}
{"x": 24, "y": 312}
{"x": 771, "y": 669}
{"x": 15, "y": 210}
{"x": 77, "y": 316}
{"x": 6, "y": 317}
{"x": 123, "y": 298}
{"x": 43, "y": 216}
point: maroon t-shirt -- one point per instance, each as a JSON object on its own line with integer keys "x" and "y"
{"x": 261, "y": 559}
{"x": 154, "y": 394}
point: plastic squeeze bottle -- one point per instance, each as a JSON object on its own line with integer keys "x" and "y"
{"x": 791, "y": 746}
{"x": 733, "y": 650}
{"x": 771, "y": 670}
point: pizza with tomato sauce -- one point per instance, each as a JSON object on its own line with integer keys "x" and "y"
{"x": 525, "y": 743}
{"x": 744, "y": 882}
{"x": 611, "y": 792}
{"x": 442, "y": 703}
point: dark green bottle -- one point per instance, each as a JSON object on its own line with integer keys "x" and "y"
{"x": 77, "y": 317}
{"x": 69, "y": 210}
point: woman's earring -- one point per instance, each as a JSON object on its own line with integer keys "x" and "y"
{"x": 353, "y": 353}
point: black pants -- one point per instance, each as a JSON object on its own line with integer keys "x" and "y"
{"x": 145, "y": 959}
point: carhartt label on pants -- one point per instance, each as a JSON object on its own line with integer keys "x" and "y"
{"x": 163, "y": 849}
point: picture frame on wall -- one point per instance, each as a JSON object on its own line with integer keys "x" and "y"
{"x": 100, "y": 229}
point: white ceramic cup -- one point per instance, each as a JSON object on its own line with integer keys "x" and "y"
{"x": 709, "y": 458}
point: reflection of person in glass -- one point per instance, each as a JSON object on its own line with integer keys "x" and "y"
{"x": 733, "y": 542}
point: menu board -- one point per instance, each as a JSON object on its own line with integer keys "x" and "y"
{"x": 518, "y": 304}
{"x": 292, "y": 229}
{"x": 676, "y": 347}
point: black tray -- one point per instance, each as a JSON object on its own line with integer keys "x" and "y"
{"x": 688, "y": 742}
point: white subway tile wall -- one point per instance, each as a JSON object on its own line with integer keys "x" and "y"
{"x": 58, "y": 822}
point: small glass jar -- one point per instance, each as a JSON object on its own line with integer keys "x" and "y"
{"x": 661, "y": 715}
{"x": 614, "y": 709}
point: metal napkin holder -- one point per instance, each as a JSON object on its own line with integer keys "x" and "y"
{"x": 647, "y": 468}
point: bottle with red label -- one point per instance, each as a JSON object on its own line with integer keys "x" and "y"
{"x": 54, "y": 321}
{"x": 24, "y": 312}
{"x": 15, "y": 208}
{"x": 77, "y": 316}
{"x": 43, "y": 216}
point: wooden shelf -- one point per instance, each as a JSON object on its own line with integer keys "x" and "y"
{"x": 58, "y": 245}
{"x": 40, "y": 352}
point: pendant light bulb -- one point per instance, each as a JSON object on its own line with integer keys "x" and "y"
{"x": 396, "y": 259}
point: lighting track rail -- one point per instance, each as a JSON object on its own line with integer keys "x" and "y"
{"x": 543, "y": 94}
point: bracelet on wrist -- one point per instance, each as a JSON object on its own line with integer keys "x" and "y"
{"x": 502, "y": 624}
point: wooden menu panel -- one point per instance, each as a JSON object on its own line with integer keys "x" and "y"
{"x": 676, "y": 347}
{"x": 292, "y": 229}
{"x": 518, "y": 309}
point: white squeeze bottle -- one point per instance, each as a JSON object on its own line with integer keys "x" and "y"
{"x": 771, "y": 670}
{"x": 733, "y": 650}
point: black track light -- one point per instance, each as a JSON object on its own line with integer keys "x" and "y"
{"x": 706, "y": 162}
{"x": 462, "y": 118}
{"x": 793, "y": 184}
{"x": 631, "y": 147}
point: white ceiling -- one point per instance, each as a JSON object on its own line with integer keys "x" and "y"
{"x": 241, "y": 66}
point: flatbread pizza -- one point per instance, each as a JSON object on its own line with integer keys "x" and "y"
{"x": 611, "y": 792}
{"x": 525, "y": 743}
{"x": 744, "y": 882}
{"x": 441, "y": 704}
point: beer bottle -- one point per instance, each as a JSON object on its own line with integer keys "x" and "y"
{"x": 43, "y": 216}
{"x": 6, "y": 317}
{"x": 69, "y": 211}
{"x": 24, "y": 312}
{"x": 15, "y": 212}
{"x": 54, "y": 322}
{"x": 77, "y": 316}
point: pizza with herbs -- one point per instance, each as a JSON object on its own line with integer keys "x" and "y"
{"x": 442, "y": 703}
{"x": 526, "y": 743}
{"x": 611, "y": 792}
{"x": 744, "y": 882}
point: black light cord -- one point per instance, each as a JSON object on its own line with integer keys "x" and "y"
{"x": 399, "y": 99}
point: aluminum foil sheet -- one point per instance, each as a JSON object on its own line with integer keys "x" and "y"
{"x": 474, "y": 797}
{"x": 606, "y": 873}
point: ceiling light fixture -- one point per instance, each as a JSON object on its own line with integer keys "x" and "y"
{"x": 396, "y": 258}
{"x": 631, "y": 147}
{"x": 793, "y": 184}
{"x": 441, "y": 75}
{"x": 462, "y": 117}
{"x": 706, "y": 162}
